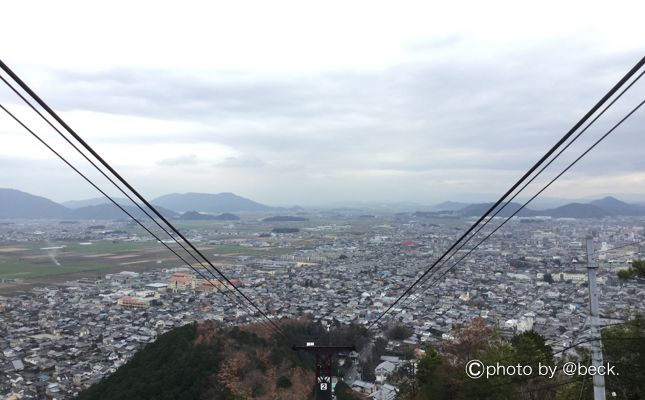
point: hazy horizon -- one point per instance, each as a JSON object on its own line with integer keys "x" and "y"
{"x": 539, "y": 203}
{"x": 311, "y": 106}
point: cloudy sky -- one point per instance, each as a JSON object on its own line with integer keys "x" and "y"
{"x": 318, "y": 102}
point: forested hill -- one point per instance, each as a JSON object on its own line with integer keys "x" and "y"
{"x": 208, "y": 361}
{"x": 203, "y": 361}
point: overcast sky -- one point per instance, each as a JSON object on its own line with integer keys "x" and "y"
{"x": 317, "y": 102}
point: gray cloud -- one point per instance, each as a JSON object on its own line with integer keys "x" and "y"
{"x": 433, "y": 115}
{"x": 241, "y": 162}
{"x": 190, "y": 159}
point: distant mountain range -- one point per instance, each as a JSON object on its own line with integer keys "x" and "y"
{"x": 210, "y": 203}
{"x": 284, "y": 218}
{"x": 97, "y": 201}
{"x": 15, "y": 204}
{"x": 618, "y": 207}
{"x": 605, "y": 207}
{"x": 450, "y": 206}
{"x": 197, "y": 216}
{"x": 110, "y": 211}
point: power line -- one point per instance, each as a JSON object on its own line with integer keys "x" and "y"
{"x": 581, "y": 122}
{"x": 486, "y": 222}
{"x": 227, "y": 289}
{"x": 620, "y": 247}
{"x": 99, "y": 189}
{"x": 118, "y": 205}
{"x": 54, "y": 115}
{"x": 577, "y": 333}
{"x": 525, "y": 204}
{"x": 411, "y": 299}
{"x": 538, "y": 193}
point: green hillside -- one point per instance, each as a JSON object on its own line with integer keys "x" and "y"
{"x": 208, "y": 361}
{"x": 204, "y": 361}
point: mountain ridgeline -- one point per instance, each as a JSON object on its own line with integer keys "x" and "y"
{"x": 605, "y": 207}
{"x": 15, "y": 204}
{"x": 197, "y": 216}
{"x": 211, "y": 203}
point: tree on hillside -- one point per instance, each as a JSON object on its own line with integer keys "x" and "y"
{"x": 637, "y": 270}
{"x": 580, "y": 386}
{"x": 442, "y": 375}
{"x": 371, "y": 361}
{"x": 399, "y": 332}
{"x": 433, "y": 376}
{"x": 624, "y": 346}
{"x": 469, "y": 340}
{"x": 531, "y": 348}
{"x": 150, "y": 374}
{"x": 344, "y": 392}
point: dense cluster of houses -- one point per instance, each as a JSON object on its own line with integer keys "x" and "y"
{"x": 55, "y": 341}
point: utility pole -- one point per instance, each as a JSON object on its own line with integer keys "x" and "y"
{"x": 596, "y": 350}
{"x": 412, "y": 376}
{"x": 323, "y": 354}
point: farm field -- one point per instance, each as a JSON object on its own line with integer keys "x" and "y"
{"x": 36, "y": 263}
{"x": 25, "y": 265}
{"x": 236, "y": 250}
{"x": 28, "y": 270}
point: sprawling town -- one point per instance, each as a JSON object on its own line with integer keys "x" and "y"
{"x": 338, "y": 267}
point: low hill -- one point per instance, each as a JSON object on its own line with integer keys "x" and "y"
{"x": 17, "y": 204}
{"x": 476, "y": 210}
{"x": 576, "y": 210}
{"x": 450, "y": 206}
{"x": 110, "y": 211}
{"x": 285, "y": 218}
{"x": 285, "y": 230}
{"x": 209, "y": 361}
{"x": 617, "y": 207}
{"x": 97, "y": 201}
{"x": 606, "y": 207}
{"x": 197, "y": 216}
{"x": 205, "y": 361}
{"x": 425, "y": 214}
{"x": 207, "y": 202}
{"x": 227, "y": 217}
